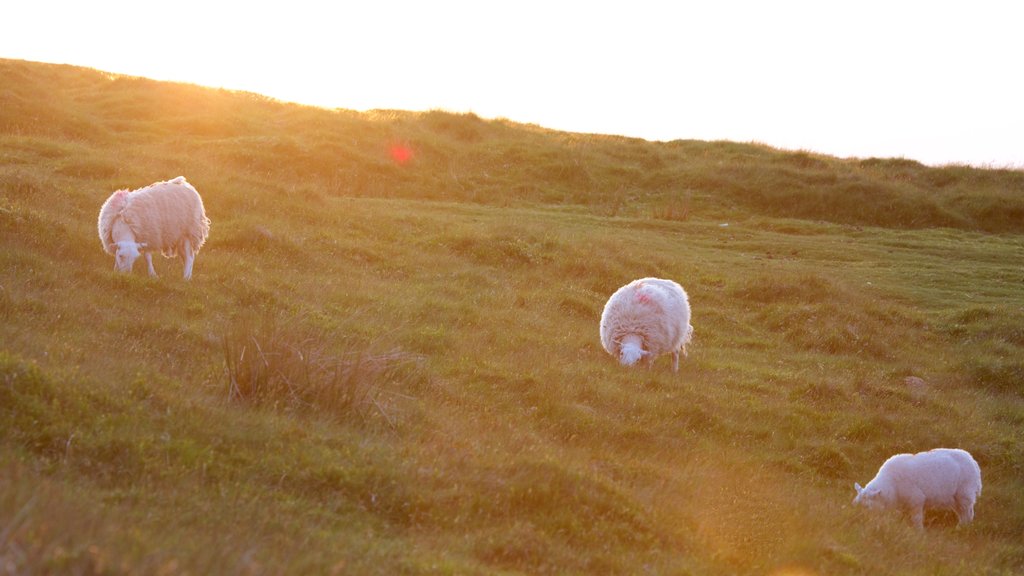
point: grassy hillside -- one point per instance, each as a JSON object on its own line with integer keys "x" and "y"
{"x": 389, "y": 363}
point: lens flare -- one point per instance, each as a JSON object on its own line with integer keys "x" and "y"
{"x": 401, "y": 154}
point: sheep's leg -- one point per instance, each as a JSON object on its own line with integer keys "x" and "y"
{"x": 149, "y": 264}
{"x": 190, "y": 258}
{"x": 675, "y": 360}
{"x": 912, "y": 504}
{"x": 917, "y": 517}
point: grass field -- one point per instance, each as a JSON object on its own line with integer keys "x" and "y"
{"x": 388, "y": 362}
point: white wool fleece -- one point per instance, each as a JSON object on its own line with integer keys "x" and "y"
{"x": 168, "y": 217}
{"x": 943, "y": 478}
{"x": 645, "y": 319}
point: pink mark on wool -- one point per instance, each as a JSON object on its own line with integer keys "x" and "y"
{"x": 642, "y": 297}
{"x": 120, "y": 200}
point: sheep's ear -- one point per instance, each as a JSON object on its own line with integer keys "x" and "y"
{"x": 857, "y": 487}
{"x": 143, "y": 246}
{"x": 112, "y": 246}
{"x": 644, "y": 353}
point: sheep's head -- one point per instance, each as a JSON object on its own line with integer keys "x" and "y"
{"x": 870, "y": 497}
{"x": 631, "y": 350}
{"x": 126, "y": 252}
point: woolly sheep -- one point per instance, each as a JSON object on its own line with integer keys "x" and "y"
{"x": 165, "y": 216}
{"x": 943, "y": 478}
{"x": 645, "y": 319}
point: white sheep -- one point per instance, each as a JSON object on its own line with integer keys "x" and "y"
{"x": 942, "y": 478}
{"x": 645, "y": 319}
{"x": 166, "y": 216}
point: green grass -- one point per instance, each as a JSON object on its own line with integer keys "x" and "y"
{"x": 384, "y": 368}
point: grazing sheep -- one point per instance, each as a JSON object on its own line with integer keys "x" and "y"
{"x": 942, "y": 478}
{"x": 645, "y": 319}
{"x": 166, "y": 216}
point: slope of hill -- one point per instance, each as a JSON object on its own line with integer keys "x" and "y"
{"x": 387, "y": 361}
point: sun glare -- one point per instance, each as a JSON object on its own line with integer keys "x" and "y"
{"x": 673, "y": 71}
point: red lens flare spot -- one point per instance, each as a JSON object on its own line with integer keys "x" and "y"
{"x": 401, "y": 153}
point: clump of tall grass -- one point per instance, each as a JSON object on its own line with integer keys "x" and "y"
{"x": 991, "y": 342}
{"x": 813, "y": 312}
{"x": 674, "y": 210}
{"x": 994, "y": 371}
{"x": 286, "y": 366}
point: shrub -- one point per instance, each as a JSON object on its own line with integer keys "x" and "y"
{"x": 292, "y": 368}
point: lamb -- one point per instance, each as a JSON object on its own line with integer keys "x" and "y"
{"x": 645, "y": 319}
{"x": 942, "y": 478}
{"x": 165, "y": 216}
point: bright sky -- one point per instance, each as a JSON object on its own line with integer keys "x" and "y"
{"x": 931, "y": 80}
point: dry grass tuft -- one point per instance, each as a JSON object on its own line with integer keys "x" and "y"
{"x": 288, "y": 367}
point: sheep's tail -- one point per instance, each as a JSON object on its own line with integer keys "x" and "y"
{"x": 197, "y": 234}
{"x": 198, "y": 230}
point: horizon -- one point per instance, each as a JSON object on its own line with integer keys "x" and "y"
{"x": 785, "y": 75}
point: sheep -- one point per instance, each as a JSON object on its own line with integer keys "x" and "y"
{"x": 165, "y": 216}
{"x": 942, "y": 478}
{"x": 645, "y": 319}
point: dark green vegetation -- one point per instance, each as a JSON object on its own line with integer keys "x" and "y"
{"x": 389, "y": 367}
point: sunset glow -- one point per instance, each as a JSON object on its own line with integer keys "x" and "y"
{"x": 934, "y": 83}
